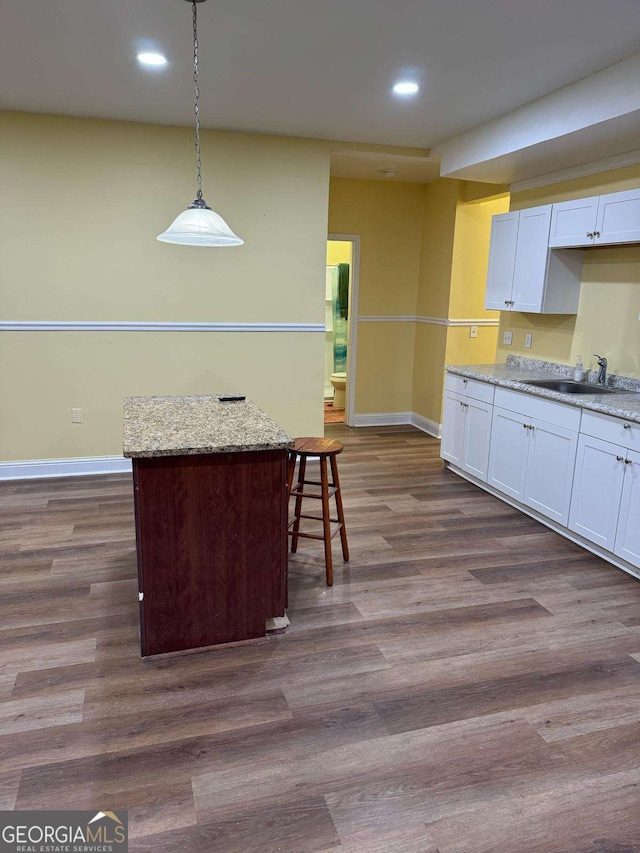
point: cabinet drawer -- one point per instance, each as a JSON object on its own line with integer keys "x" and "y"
{"x": 471, "y": 387}
{"x": 608, "y": 428}
{"x": 548, "y": 411}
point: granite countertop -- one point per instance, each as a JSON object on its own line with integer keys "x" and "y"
{"x": 518, "y": 370}
{"x": 186, "y": 426}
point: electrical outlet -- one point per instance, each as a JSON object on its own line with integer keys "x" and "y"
{"x": 507, "y": 339}
{"x": 76, "y": 416}
{"x": 528, "y": 340}
{"x": 473, "y": 331}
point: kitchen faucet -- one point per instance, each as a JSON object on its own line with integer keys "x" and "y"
{"x": 602, "y": 373}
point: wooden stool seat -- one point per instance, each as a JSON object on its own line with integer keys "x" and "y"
{"x": 323, "y": 448}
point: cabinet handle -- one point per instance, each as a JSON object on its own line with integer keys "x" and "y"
{"x": 626, "y": 426}
{"x": 526, "y": 426}
{"x": 627, "y": 461}
{"x": 590, "y": 234}
{"x": 464, "y": 381}
{"x": 596, "y": 233}
{"x": 620, "y": 458}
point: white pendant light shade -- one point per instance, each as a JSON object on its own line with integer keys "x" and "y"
{"x": 200, "y": 226}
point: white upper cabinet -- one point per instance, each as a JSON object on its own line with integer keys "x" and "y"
{"x": 573, "y": 223}
{"x": 524, "y": 274}
{"x": 618, "y": 218}
{"x": 605, "y": 220}
{"x": 502, "y": 260}
{"x": 531, "y": 259}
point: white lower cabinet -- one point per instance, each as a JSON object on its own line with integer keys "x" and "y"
{"x": 453, "y": 418}
{"x": 532, "y": 462}
{"x": 579, "y": 468}
{"x": 628, "y": 536}
{"x": 477, "y": 438}
{"x": 550, "y": 463}
{"x": 509, "y": 449}
{"x": 466, "y": 428}
{"x": 605, "y": 507}
{"x": 597, "y": 489}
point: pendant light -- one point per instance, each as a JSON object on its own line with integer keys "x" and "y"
{"x": 198, "y": 225}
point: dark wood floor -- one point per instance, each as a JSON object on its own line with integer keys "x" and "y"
{"x": 470, "y": 683}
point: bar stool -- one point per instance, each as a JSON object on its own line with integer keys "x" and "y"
{"x": 324, "y": 448}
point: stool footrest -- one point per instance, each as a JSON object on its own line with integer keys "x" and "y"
{"x": 316, "y": 535}
{"x": 316, "y": 518}
{"x": 299, "y": 494}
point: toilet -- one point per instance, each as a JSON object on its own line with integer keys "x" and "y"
{"x": 339, "y": 382}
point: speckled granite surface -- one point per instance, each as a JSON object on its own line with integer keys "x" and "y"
{"x": 518, "y": 370}
{"x": 186, "y": 426}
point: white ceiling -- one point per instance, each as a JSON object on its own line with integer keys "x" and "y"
{"x": 313, "y": 68}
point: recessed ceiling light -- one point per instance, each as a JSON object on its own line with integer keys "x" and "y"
{"x": 406, "y": 88}
{"x": 155, "y": 59}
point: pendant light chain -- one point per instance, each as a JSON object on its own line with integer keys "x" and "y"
{"x": 196, "y": 106}
{"x": 198, "y": 225}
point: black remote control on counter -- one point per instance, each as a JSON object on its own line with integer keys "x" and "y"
{"x": 230, "y": 398}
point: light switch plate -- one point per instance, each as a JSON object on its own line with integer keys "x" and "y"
{"x": 528, "y": 340}
{"x": 507, "y": 339}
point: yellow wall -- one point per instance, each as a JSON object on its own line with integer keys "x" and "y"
{"x": 82, "y": 202}
{"x": 384, "y": 381}
{"x": 338, "y": 252}
{"x": 471, "y": 257}
{"x": 438, "y": 228}
{"x": 455, "y": 250}
{"x": 388, "y": 218}
{"x": 607, "y": 319}
{"x": 428, "y": 370}
{"x": 424, "y": 252}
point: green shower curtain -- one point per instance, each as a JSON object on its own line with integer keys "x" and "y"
{"x": 340, "y": 287}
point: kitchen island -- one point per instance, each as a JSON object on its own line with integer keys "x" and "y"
{"x": 211, "y": 520}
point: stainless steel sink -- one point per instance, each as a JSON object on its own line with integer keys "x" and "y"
{"x": 568, "y": 386}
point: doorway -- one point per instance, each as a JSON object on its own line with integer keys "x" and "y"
{"x": 341, "y": 312}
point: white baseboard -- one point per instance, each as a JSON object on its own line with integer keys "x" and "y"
{"x": 33, "y": 469}
{"x": 426, "y": 425}
{"x": 398, "y": 418}
{"x": 382, "y": 419}
{"x": 37, "y": 468}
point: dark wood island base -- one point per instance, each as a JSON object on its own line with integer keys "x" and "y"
{"x": 211, "y": 533}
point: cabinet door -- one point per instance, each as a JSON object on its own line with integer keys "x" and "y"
{"x": 597, "y": 489}
{"x": 628, "y": 535}
{"x": 502, "y": 257}
{"x": 532, "y": 252}
{"x": 508, "y": 454}
{"x": 572, "y": 222}
{"x": 453, "y": 420}
{"x": 618, "y": 218}
{"x": 477, "y": 437}
{"x": 550, "y": 464}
